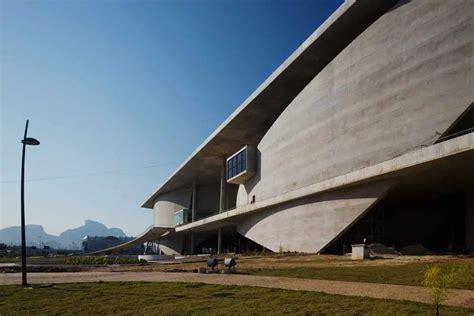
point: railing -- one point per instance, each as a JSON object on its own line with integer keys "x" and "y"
{"x": 457, "y": 134}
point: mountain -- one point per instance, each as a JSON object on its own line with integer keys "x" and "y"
{"x": 69, "y": 239}
{"x": 91, "y": 228}
{"x": 35, "y": 235}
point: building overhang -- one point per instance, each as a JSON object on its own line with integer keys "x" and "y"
{"x": 251, "y": 120}
{"x": 439, "y": 155}
{"x": 151, "y": 234}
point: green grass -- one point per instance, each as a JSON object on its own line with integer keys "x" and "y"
{"x": 34, "y": 260}
{"x": 93, "y": 260}
{"x": 409, "y": 274}
{"x": 9, "y": 259}
{"x": 195, "y": 298}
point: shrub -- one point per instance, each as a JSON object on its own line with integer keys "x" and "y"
{"x": 439, "y": 282}
{"x": 89, "y": 260}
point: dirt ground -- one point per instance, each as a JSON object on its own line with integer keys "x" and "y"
{"x": 290, "y": 261}
{"x": 244, "y": 263}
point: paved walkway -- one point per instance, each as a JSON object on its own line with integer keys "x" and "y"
{"x": 463, "y": 298}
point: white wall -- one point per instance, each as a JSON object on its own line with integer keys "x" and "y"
{"x": 168, "y": 203}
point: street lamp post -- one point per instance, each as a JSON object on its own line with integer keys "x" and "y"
{"x": 32, "y": 142}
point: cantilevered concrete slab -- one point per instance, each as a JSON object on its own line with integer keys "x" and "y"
{"x": 397, "y": 167}
{"x": 248, "y": 124}
{"x": 151, "y": 234}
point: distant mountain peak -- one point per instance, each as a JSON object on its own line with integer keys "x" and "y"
{"x": 70, "y": 238}
{"x": 89, "y": 222}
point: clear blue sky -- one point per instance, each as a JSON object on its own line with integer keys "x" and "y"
{"x": 113, "y": 85}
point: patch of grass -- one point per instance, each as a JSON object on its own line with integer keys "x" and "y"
{"x": 409, "y": 274}
{"x": 9, "y": 259}
{"x": 92, "y": 260}
{"x": 199, "y": 299}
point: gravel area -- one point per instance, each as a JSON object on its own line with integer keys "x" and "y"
{"x": 462, "y": 298}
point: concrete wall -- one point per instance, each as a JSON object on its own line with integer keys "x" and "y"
{"x": 168, "y": 203}
{"x": 310, "y": 224}
{"x": 172, "y": 245}
{"x": 393, "y": 89}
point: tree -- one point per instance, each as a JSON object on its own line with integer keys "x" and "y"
{"x": 439, "y": 282}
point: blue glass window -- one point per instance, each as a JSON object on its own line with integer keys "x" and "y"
{"x": 236, "y": 164}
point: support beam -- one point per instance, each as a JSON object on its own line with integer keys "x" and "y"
{"x": 222, "y": 196}
{"x": 193, "y": 211}
{"x": 219, "y": 241}
{"x": 222, "y": 202}
{"x": 194, "y": 201}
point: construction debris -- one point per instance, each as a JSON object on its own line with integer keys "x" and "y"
{"x": 382, "y": 251}
{"x": 416, "y": 250}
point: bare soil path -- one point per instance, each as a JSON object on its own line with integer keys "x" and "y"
{"x": 462, "y": 298}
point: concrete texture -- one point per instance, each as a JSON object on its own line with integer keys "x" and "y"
{"x": 402, "y": 166}
{"x": 395, "y": 88}
{"x": 462, "y": 298}
{"x": 167, "y": 204}
{"x": 251, "y": 120}
{"x": 171, "y": 245}
{"x": 151, "y": 234}
{"x": 364, "y": 99}
{"x": 309, "y": 225}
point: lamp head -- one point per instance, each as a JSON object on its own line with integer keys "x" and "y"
{"x": 30, "y": 141}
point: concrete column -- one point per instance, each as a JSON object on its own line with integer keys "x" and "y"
{"x": 193, "y": 211}
{"x": 194, "y": 201}
{"x": 222, "y": 202}
{"x": 222, "y": 197}
{"x": 219, "y": 241}
{"x": 469, "y": 221}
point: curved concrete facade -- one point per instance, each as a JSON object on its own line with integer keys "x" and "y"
{"x": 310, "y": 224}
{"x": 396, "y": 88}
{"x": 168, "y": 203}
{"x": 360, "y": 105}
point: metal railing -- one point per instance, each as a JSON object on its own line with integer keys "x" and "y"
{"x": 457, "y": 134}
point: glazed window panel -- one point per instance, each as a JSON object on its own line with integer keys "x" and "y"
{"x": 236, "y": 164}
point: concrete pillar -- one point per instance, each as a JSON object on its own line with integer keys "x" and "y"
{"x": 193, "y": 211}
{"x": 194, "y": 201}
{"x": 222, "y": 196}
{"x": 219, "y": 241}
{"x": 222, "y": 204}
{"x": 469, "y": 221}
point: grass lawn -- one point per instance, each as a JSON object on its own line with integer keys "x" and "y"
{"x": 9, "y": 260}
{"x": 409, "y": 274}
{"x": 34, "y": 260}
{"x": 194, "y": 298}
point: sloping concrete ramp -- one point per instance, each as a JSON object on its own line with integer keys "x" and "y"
{"x": 311, "y": 224}
{"x": 151, "y": 234}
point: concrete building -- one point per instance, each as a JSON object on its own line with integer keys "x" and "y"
{"x": 364, "y": 132}
{"x": 91, "y": 244}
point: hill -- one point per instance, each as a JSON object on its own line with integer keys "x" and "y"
{"x": 69, "y": 239}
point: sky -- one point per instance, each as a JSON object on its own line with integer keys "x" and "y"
{"x": 120, "y": 92}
